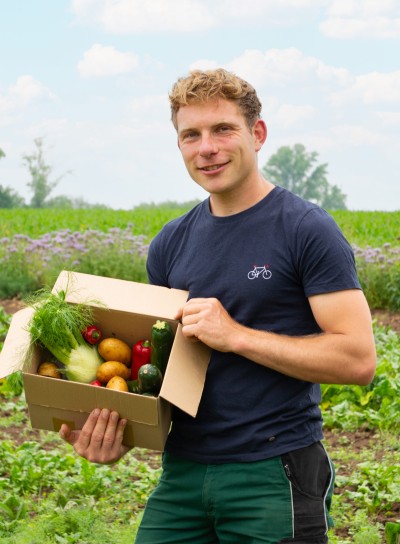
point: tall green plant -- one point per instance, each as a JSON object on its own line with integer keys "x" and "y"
{"x": 40, "y": 172}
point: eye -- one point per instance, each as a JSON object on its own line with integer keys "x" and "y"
{"x": 189, "y": 135}
{"x": 222, "y": 129}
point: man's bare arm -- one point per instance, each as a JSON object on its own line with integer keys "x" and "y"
{"x": 344, "y": 352}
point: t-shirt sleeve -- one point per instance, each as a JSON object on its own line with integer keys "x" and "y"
{"x": 325, "y": 258}
{"x": 155, "y": 269}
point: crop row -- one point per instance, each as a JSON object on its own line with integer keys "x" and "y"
{"x": 362, "y": 228}
{"x": 50, "y": 495}
{"x": 28, "y": 264}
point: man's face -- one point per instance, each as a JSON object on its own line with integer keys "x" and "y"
{"x": 217, "y": 146}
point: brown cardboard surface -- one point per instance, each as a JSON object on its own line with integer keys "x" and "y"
{"x": 184, "y": 381}
{"x": 16, "y": 343}
{"x": 122, "y": 295}
{"x": 126, "y": 310}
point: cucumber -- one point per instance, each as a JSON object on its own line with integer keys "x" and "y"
{"x": 149, "y": 378}
{"x": 133, "y": 386}
{"x": 162, "y": 338}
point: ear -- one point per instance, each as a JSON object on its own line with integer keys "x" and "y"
{"x": 260, "y": 133}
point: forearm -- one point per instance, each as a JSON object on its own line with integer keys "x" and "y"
{"x": 320, "y": 358}
{"x": 344, "y": 352}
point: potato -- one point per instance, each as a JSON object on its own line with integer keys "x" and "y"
{"x": 50, "y": 370}
{"x": 109, "y": 369}
{"x": 113, "y": 349}
{"x": 117, "y": 383}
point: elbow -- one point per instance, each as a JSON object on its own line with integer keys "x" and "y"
{"x": 365, "y": 371}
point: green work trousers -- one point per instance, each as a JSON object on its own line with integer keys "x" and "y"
{"x": 277, "y": 500}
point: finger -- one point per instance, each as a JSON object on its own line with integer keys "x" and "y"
{"x": 178, "y": 314}
{"x": 99, "y": 430}
{"x": 119, "y": 449}
{"x": 198, "y": 305}
{"x": 192, "y": 339}
{"x": 68, "y": 435}
{"x": 110, "y": 437}
{"x": 119, "y": 435}
{"x": 197, "y": 300}
{"x": 88, "y": 428}
{"x": 190, "y": 319}
{"x": 189, "y": 331}
{"x": 193, "y": 302}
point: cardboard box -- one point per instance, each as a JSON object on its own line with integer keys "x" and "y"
{"x": 127, "y": 310}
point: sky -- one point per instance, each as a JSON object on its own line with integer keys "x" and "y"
{"x": 91, "y": 79}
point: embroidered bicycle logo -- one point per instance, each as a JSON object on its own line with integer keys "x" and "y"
{"x": 257, "y": 270}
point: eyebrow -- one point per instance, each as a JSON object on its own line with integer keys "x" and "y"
{"x": 213, "y": 127}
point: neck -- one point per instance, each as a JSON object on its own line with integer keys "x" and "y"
{"x": 222, "y": 204}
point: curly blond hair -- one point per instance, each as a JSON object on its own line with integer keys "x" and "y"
{"x": 202, "y": 86}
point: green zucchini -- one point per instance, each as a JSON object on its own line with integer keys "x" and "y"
{"x": 162, "y": 338}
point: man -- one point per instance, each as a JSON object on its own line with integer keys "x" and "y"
{"x": 274, "y": 292}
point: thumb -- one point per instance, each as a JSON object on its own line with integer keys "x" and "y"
{"x": 179, "y": 314}
{"x": 69, "y": 436}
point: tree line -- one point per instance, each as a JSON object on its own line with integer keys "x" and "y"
{"x": 294, "y": 168}
{"x": 41, "y": 185}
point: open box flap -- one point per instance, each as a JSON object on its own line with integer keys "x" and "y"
{"x": 122, "y": 295}
{"x": 16, "y": 344}
{"x": 184, "y": 380}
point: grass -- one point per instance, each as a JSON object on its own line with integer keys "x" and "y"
{"x": 35, "y": 245}
{"x": 366, "y": 486}
{"x": 49, "y": 495}
{"x": 143, "y": 220}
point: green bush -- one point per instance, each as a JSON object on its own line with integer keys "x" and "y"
{"x": 376, "y": 405}
{"x": 379, "y": 272}
{"x": 28, "y": 264}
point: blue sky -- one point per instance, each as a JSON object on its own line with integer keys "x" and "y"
{"x": 91, "y": 77}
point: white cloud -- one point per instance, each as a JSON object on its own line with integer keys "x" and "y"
{"x": 357, "y": 135}
{"x": 203, "y": 64}
{"x": 283, "y": 66}
{"x": 362, "y": 18}
{"x": 149, "y": 109}
{"x": 136, "y": 16}
{"x": 100, "y": 61}
{"x": 344, "y": 18}
{"x": 288, "y": 115}
{"x": 389, "y": 118}
{"x": 24, "y": 92}
{"x": 52, "y": 128}
{"x": 373, "y": 88}
{"x": 83, "y": 9}
{"x": 260, "y": 12}
{"x": 363, "y": 8}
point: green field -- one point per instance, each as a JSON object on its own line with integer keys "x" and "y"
{"x": 361, "y": 228}
{"x": 35, "y": 245}
{"x": 49, "y": 495}
{"x": 373, "y": 229}
{"x": 146, "y": 220}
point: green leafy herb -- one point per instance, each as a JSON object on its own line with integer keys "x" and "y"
{"x": 57, "y": 325}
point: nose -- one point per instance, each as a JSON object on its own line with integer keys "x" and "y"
{"x": 207, "y": 145}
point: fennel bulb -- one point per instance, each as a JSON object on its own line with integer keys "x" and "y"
{"x": 58, "y": 325}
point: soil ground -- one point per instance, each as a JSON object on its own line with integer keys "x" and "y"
{"x": 357, "y": 441}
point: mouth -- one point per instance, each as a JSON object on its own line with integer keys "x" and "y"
{"x": 213, "y": 167}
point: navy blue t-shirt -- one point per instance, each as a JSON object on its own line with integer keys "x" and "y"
{"x": 262, "y": 264}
